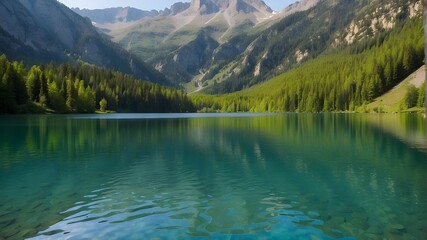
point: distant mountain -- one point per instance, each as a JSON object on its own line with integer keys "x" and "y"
{"x": 180, "y": 24}
{"x": 164, "y": 40}
{"x": 40, "y": 31}
{"x": 221, "y": 46}
{"x": 127, "y": 14}
{"x": 113, "y": 15}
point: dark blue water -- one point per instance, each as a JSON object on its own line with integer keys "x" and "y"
{"x": 241, "y": 176}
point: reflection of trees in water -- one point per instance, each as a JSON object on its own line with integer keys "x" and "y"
{"x": 334, "y": 136}
{"x": 334, "y": 164}
{"x": 409, "y": 128}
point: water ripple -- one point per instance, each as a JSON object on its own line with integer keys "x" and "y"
{"x": 281, "y": 177}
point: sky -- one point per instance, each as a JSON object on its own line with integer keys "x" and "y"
{"x": 276, "y": 5}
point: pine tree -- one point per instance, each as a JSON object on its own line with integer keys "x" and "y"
{"x": 71, "y": 102}
{"x": 103, "y": 105}
{"x": 43, "y": 95}
{"x": 33, "y": 83}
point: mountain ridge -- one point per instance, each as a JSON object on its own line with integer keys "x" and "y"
{"x": 149, "y": 36}
{"x": 114, "y": 14}
{"x": 128, "y": 14}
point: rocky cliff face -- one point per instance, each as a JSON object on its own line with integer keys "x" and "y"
{"x": 45, "y": 30}
{"x": 376, "y": 19}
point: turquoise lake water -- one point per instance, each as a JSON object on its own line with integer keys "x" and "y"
{"x": 220, "y": 176}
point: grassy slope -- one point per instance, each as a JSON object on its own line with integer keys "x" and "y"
{"x": 392, "y": 100}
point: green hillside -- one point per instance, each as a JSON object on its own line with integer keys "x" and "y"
{"x": 345, "y": 80}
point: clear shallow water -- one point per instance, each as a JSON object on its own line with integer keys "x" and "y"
{"x": 242, "y": 176}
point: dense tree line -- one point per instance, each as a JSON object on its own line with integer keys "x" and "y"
{"x": 340, "y": 81}
{"x": 82, "y": 89}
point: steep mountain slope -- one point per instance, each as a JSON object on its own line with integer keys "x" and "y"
{"x": 44, "y": 30}
{"x": 347, "y": 78}
{"x": 305, "y": 35}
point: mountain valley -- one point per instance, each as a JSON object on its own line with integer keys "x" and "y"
{"x": 213, "y": 119}
{"x": 254, "y": 58}
{"x": 218, "y": 46}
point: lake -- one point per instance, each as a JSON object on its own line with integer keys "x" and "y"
{"x": 221, "y": 176}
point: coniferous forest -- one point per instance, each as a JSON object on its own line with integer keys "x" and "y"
{"x": 82, "y": 89}
{"x": 345, "y": 79}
